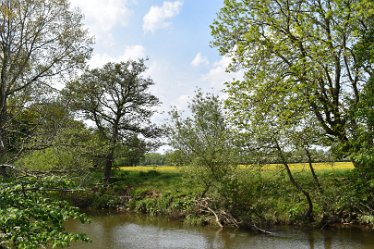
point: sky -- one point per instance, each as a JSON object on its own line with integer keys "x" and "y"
{"x": 174, "y": 35}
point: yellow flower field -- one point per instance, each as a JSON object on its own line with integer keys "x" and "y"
{"x": 296, "y": 167}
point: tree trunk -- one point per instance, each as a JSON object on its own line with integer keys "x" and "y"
{"x": 110, "y": 155}
{"x": 3, "y": 102}
{"x": 315, "y": 178}
{"x": 309, "y": 213}
{"x": 3, "y": 120}
{"x": 108, "y": 167}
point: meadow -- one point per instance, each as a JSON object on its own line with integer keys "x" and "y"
{"x": 295, "y": 167}
{"x": 261, "y": 193}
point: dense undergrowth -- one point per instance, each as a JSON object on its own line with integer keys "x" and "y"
{"x": 250, "y": 197}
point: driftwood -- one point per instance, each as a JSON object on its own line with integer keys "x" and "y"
{"x": 261, "y": 230}
{"x": 222, "y": 217}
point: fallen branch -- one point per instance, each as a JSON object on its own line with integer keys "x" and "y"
{"x": 264, "y": 231}
{"x": 222, "y": 217}
{"x": 217, "y": 219}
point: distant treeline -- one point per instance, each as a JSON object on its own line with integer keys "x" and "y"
{"x": 176, "y": 158}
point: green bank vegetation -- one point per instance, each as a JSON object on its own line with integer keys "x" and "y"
{"x": 306, "y": 95}
{"x": 257, "y": 196}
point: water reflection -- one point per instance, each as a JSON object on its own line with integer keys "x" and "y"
{"x": 135, "y": 232}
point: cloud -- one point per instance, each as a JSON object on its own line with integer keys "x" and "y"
{"x": 199, "y": 60}
{"x": 158, "y": 16}
{"x": 133, "y": 52}
{"x": 102, "y": 16}
{"x": 218, "y": 75}
{"x": 130, "y": 52}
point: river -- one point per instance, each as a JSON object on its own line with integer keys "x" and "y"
{"x": 130, "y": 231}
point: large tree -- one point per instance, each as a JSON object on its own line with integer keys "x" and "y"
{"x": 40, "y": 42}
{"x": 116, "y": 98}
{"x": 302, "y": 58}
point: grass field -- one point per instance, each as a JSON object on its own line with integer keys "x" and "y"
{"x": 296, "y": 167}
{"x": 260, "y": 193}
{"x": 148, "y": 168}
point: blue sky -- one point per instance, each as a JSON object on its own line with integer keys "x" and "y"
{"x": 174, "y": 35}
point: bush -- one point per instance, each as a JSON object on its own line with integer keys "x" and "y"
{"x": 53, "y": 158}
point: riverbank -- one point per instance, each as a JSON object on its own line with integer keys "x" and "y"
{"x": 258, "y": 198}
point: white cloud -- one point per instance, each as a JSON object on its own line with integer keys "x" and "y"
{"x": 199, "y": 60}
{"x": 130, "y": 52}
{"x": 158, "y": 16}
{"x": 102, "y": 16}
{"x": 133, "y": 52}
{"x": 218, "y": 75}
{"x": 182, "y": 102}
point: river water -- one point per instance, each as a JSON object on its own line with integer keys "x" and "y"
{"x": 130, "y": 231}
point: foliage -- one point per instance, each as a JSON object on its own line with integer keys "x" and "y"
{"x": 308, "y": 72}
{"x": 72, "y": 147}
{"x": 204, "y": 140}
{"x": 53, "y": 159}
{"x": 41, "y": 42}
{"x": 301, "y": 67}
{"x": 131, "y": 152}
{"x": 116, "y": 98}
{"x": 363, "y": 147}
{"x": 175, "y": 157}
{"x": 263, "y": 197}
{"x": 160, "y": 193}
{"x": 153, "y": 159}
{"x": 32, "y": 217}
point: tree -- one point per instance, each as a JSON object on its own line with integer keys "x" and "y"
{"x": 131, "y": 152}
{"x": 174, "y": 157}
{"x": 73, "y": 148}
{"x": 204, "y": 140}
{"x": 301, "y": 59}
{"x": 365, "y": 109}
{"x": 154, "y": 159}
{"x": 40, "y": 42}
{"x": 116, "y": 98}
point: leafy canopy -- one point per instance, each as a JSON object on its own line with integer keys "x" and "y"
{"x": 30, "y": 215}
{"x": 302, "y": 65}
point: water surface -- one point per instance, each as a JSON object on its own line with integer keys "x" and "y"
{"x": 129, "y": 231}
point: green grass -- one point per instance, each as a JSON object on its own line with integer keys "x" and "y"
{"x": 162, "y": 179}
{"x": 157, "y": 192}
{"x": 260, "y": 193}
{"x": 148, "y": 168}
